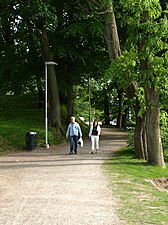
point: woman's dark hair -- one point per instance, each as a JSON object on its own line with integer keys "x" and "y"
{"x": 95, "y": 122}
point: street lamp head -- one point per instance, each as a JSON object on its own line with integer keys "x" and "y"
{"x": 50, "y": 63}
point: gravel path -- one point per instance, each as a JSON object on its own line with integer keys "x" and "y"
{"x": 50, "y": 187}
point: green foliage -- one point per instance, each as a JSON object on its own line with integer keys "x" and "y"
{"x": 126, "y": 68}
{"x": 43, "y": 12}
{"x": 75, "y": 32}
{"x": 81, "y": 103}
{"x": 130, "y": 136}
{"x": 145, "y": 25}
{"x": 164, "y": 133}
{"x": 133, "y": 10}
{"x": 123, "y": 69}
{"x": 20, "y": 59}
{"x": 75, "y": 37}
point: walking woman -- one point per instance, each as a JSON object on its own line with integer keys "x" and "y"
{"x": 94, "y": 134}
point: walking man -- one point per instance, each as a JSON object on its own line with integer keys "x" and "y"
{"x": 74, "y": 131}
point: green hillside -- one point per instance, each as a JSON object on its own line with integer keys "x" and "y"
{"x": 19, "y": 114}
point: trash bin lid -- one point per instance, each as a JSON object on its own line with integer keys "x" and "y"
{"x": 33, "y": 132}
{"x": 30, "y": 133}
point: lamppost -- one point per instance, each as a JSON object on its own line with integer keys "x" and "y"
{"x": 46, "y": 117}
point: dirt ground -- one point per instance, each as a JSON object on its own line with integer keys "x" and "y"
{"x": 50, "y": 187}
{"x": 160, "y": 183}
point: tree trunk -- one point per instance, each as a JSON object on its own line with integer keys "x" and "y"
{"x": 114, "y": 51}
{"x": 144, "y": 139}
{"x": 106, "y": 110}
{"x": 111, "y": 33}
{"x": 154, "y": 144}
{"x": 69, "y": 101}
{"x": 139, "y": 132}
{"x": 113, "y": 44}
{"x": 54, "y": 102}
{"x": 120, "y": 104}
{"x": 139, "y": 144}
{"x": 125, "y": 116}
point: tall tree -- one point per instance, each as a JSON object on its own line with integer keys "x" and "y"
{"x": 114, "y": 50}
{"x": 79, "y": 44}
{"x": 113, "y": 46}
{"x": 43, "y": 17}
{"x": 150, "y": 32}
{"x": 55, "y": 111}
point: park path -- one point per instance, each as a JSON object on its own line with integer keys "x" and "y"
{"x": 50, "y": 187}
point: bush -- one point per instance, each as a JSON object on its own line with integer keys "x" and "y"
{"x": 164, "y": 137}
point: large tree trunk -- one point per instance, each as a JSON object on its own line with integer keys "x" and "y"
{"x": 111, "y": 33}
{"x": 113, "y": 46}
{"x": 154, "y": 144}
{"x": 54, "y": 102}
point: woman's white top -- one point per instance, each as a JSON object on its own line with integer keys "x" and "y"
{"x": 98, "y": 130}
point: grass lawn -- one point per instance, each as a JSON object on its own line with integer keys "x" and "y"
{"x": 140, "y": 201}
{"x": 18, "y": 115}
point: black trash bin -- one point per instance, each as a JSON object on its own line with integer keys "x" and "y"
{"x": 31, "y": 140}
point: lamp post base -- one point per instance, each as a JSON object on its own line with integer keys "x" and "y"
{"x": 46, "y": 145}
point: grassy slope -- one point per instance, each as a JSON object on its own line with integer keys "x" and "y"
{"x": 140, "y": 202}
{"x": 19, "y": 114}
